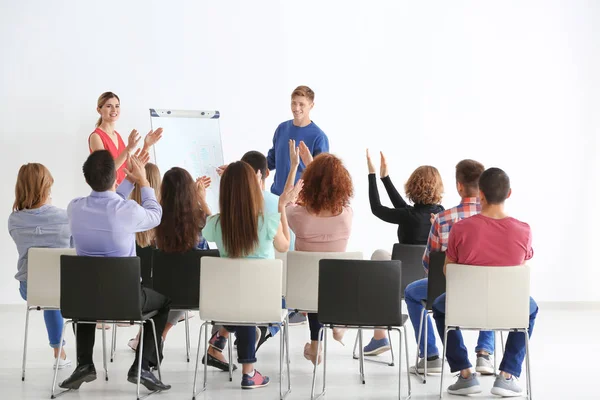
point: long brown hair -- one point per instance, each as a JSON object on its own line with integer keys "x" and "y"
{"x": 104, "y": 97}
{"x": 182, "y": 218}
{"x": 145, "y": 239}
{"x": 327, "y": 185}
{"x": 241, "y": 205}
{"x": 33, "y": 186}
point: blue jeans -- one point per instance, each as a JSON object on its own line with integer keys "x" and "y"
{"x": 53, "y": 319}
{"x": 246, "y": 342}
{"x": 456, "y": 353}
{"x": 413, "y": 295}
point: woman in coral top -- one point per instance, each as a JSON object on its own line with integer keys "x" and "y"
{"x": 105, "y": 137}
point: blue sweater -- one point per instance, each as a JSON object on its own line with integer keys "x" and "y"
{"x": 278, "y": 157}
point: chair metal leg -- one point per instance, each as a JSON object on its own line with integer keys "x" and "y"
{"x": 141, "y": 351}
{"x": 356, "y": 357}
{"x": 400, "y": 364}
{"x": 391, "y": 349}
{"x": 104, "y": 351}
{"x": 322, "y": 334}
{"x": 527, "y": 365}
{"x": 426, "y": 323}
{"x": 421, "y": 323}
{"x": 502, "y": 341}
{"x": 113, "y": 345}
{"x": 197, "y": 360}
{"x": 283, "y": 343}
{"x": 287, "y": 354}
{"x": 495, "y": 356}
{"x": 355, "y": 345}
{"x": 62, "y": 337}
{"x": 443, "y": 358}
{"x": 361, "y": 352}
{"x": 205, "y": 354}
{"x": 187, "y": 336}
{"x": 157, "y": 349}
{"x": 25, "y": 344}
{"x": 230, "y": 351}
{"x": 407, "y": 363}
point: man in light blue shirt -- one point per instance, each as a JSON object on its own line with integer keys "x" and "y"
{"x": 104, "y": 224}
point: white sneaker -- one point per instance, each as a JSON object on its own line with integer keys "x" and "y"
{"x": 62, "y": 363}
{"x": 484, "y": 365}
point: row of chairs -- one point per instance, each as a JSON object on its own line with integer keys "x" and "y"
{"x": 365, "y": 297}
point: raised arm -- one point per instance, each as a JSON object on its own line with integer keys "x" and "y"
{"x": 397, "y": 200}
{"x": 294, "y": 162}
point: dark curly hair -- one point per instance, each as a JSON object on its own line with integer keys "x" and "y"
{"x": 327, "y": 185}
{"x": 182, "y": 217}
{"x": 424, "y": 186}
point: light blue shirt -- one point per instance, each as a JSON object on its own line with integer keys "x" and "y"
{"x": 104, "y": 224}
{"x": 47, "y": 226}
{"x": 267, "y": 229}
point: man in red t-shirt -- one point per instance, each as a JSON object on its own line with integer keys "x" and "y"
{"x": 490, "y": 238}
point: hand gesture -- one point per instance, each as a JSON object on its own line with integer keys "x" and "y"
{"x": 383, "y": 169}
{"x": 143, "y": 156}
{"x": 133, "y": 140}
{"x": 202, "y": 184}
{"x": 152, "y": 137}
{"x": 221, "y": 169}
{"x": 305, "y": 154}
{"x": 294, "y": 154}
{"x": 370, "y": 163}
{"x": 135, "y": 170}
{"x": 291, "y": 195}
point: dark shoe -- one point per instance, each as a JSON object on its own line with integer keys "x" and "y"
{"x": 215, "y": 362}
{"x": 83, "y": 373}
{"x": 147, "y": 379}
{"x": 217, "y": 342}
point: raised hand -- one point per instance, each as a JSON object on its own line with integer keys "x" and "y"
{"x": 221, "y": 169}
{"x": 291, "y": 195}
{"x": 133, "y": 140}
{"x": 142, "y": 155}
{"x": 370, "y": 163}
{"x": 383, "y": 169}
{"x": 135, "y": 171}
{"x": 152, "y": 137}
{"x": 202, "y": 184}
{"x": 305, "y": 154}
{"x": 294, "y": 154}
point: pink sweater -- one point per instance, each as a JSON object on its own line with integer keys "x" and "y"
{"x": 319, "y": 233}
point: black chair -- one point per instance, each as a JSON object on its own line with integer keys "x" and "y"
{"x": 102, "y": 289}
{"x": 360, "y": 294}
{"x": 177, "y": 276}
{"x": 145, "y": 256}
{"x": 411, "y": 256}
{"x": 436, "y": 286}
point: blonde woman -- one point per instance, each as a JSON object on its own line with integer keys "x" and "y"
{"x": 35, "y": 222}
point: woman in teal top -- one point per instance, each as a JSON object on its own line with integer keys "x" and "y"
{"x": 243, "y": 229}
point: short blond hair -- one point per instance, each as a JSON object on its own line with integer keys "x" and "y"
{"x": 304, "y": 91}
{"x": 34, "y": 182}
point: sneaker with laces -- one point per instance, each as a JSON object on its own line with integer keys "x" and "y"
{"x": 254, "y": 382}
{"x": 506, "y": 387}
{"x": 296, "y": 318}
{"x": 465, "y": 386}
{"x": 484, "y": 365}
{"x": 376, "y": 346}
{"x": 434, "y": 366}
{"x": 62, "y": 363}
{"x": 217, "y": 342}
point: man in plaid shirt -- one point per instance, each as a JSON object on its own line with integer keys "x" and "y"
{"x": 467, "y": 178}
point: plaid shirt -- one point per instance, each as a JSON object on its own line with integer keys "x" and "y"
{"x": 440, "y": 229}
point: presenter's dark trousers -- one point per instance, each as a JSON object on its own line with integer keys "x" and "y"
{"x": 150, "y": 301}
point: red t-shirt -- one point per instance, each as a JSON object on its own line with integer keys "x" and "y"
{"x": 480, "y": 240}
{"x": 114, "y": 151}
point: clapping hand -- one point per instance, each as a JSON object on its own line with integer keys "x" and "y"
{"x": 152, "y": 137}
{"x": 135, "y": 171}
{"x": 133, "y": 140}
{"x": 294, "y": 154}
{"x": 305, "y": 154}
{"x": 370, "y": 163}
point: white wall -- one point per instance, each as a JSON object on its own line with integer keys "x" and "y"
{"x": 509, "y": 83}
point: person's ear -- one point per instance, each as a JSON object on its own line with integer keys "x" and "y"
{"x": 98, "y": 109}
{"x": 509, "y": 193}
{"x": 481, "y": 197}
{"x": 311, "y": 106}
{"x": 267, "y": 173}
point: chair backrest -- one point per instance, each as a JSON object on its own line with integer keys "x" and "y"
{"x": 360, "y": 292}
{"x": 145, "y": 255}
{"x": 283, "y": 258}
{"x": 411, "y": 256}
{"x": 436, "y": 280}
{"x": 240, "y": 290}
{"x": 177, "y": 276}
{"x": 303, "y": 277}
{"x": 43, "y": 276}
{"x": 487, "y": 297}
{"x": 100, "y": 288}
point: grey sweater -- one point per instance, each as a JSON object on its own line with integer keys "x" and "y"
{"x": 47, "y": 226}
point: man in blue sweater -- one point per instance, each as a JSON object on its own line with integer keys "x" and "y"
{"x": 311, "y": 138}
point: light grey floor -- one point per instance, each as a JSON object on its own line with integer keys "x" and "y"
{"x": 564, "y": 347}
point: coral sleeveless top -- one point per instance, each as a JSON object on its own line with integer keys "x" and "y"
{"x": 109, "y": 145}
